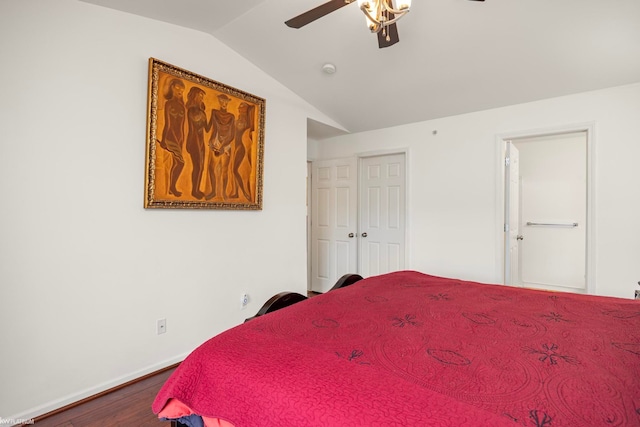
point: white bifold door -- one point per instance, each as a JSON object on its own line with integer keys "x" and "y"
{"x": 358, "y": 222}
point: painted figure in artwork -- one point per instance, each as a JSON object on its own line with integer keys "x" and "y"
{"x": 220, "y": 144}
{"x": 241, "y": 166}
{"x": 197, "y": 126}
{"x": 173, "y": 133}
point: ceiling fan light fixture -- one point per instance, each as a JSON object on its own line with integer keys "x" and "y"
{"x": 382, "y": 13}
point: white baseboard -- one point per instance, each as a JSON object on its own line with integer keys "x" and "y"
{"x": 76, "y": 397}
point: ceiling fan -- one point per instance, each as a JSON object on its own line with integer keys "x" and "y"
{"x": 381, "y": 16}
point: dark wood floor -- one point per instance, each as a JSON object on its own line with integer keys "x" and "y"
{"x": 128, "y": 406}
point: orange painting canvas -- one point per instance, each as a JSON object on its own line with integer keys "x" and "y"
{"x": 205, "y": 142}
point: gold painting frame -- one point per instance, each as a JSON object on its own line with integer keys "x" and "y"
{"x": 204, "y": 144}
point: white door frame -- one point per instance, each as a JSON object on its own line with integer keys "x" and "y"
{"x": 308, "y": 210}
{"x": 512, "y": 225}
{"x": 501, "y": 140}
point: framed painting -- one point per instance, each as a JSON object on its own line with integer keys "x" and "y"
{"x": 205, "y": 142}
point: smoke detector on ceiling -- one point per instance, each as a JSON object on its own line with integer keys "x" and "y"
{"x": 329, "y": 68}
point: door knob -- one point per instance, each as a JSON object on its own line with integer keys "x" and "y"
{"x": 350, "y": 235}
{"x": 364, "y": 234}
{"x": 519, "y": 237}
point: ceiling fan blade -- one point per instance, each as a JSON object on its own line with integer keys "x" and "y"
{"x": 317, "y": 13}
{"x": 390, "y": 33}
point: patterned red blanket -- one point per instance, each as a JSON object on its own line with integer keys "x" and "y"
{"x": 408, "y": 349}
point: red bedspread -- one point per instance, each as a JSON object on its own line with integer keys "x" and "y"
{"x": 408, "y": 349}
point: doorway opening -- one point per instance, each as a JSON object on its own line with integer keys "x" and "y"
{"x": 546, "y": 236}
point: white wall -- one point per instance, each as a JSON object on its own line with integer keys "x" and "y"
{"x": 85, "y": 271}
{"x": 454, "y": 193}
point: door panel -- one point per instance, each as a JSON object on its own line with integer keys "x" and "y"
{"x": 512, "y": 179}
{"x": 394, "y": 252}
{"x": 372, "y": 208}
{"x": 382, "y": 214}
{"x": 394, "y": 207}
{"x": 323, "y": 253}
{"x": 344, "y": 253}
{"x": 333, "y": 220}
{"x": 343, "y": 209}
{"x": 322, "y": 207}
{"x": 372, "y": 251}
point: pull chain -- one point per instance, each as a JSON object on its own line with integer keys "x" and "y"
{"x": 384, "y": 29}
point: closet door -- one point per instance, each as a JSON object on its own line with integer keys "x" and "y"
{"x": 334, "y": 185}
{"x": 382, "y": 214}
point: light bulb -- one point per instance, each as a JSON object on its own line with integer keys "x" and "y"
{"x": 404, "y": 4}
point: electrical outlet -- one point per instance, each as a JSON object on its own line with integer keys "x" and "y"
{"x": 244, "y": 300}
{"x": 161, "y": 326}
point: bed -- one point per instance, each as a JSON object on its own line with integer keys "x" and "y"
{"x": 411, "y": 349}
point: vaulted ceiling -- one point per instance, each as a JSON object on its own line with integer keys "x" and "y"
{"x": 454, "y": 56}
